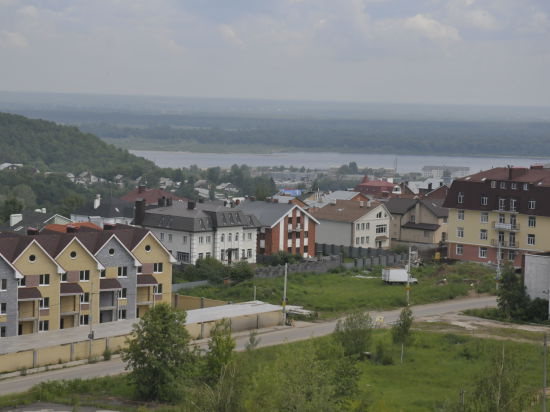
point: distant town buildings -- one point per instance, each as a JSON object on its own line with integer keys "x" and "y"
{"x": 438, "y": 172}
{"x": 378, "y": 188}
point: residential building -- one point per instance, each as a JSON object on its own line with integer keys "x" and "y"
{"x": 378, "y": 188}
{"x": 351, "y": 223}
{"x": 192, "y": 231}
{"x": 536, "y": 275}
{"x": 105, "y": 211}
{"x": 505, "y": 209}
{"x": 58, "y": 279}
{"x": 284, "y": 227}
{"x": 36, "y": 219}
{"x": 321, "y": 199}
{"x": 439, "y": 172}
{"x": 151, "y": 196}
{"x": 418, "y": 221}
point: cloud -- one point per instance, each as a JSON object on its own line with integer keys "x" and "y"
{"x": 13, "y": 40}
{"x": 229, "y": 35}
{"x": 28, "y": 11}
{"x": 432, "y": 29}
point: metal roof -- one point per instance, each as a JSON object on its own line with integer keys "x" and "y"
{"x": 230, "y": 311}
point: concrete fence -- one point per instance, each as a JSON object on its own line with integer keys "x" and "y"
{"x": 184, "y": 302}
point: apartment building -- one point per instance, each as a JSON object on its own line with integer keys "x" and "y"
{"x": 502, "y": 212}
{"x": 352, "y": 223}
{"x": 69, "y": 276}
{"x": 193, "y": 231}
{"x": 284, "y": 227}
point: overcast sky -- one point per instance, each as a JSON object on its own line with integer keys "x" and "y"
{"x": 430, "y": 51}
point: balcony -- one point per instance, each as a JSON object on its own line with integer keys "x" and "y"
{"x": 504, "y": 244}
{"x": 506, "y": 226}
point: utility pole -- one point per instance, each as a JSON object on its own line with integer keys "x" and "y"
{"x": 409, "y": 278}
{"x": 284, "y": 295}
{"x": 544, "y": 373}
{"x": 254, "y": 292}
{"x": 498, "y": 263}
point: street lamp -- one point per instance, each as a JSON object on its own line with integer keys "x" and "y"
{"x": 409, "y": 276}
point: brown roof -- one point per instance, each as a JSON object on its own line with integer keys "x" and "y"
{"x": 66, "y": 228}
{"x": 534, "y": 175}
{"x": 146, "y": 280}
{"x": 109, "y": 284}
{"x": 151, "y": 196}
{"x": 29, "y": 294}
{"x": 70, "y": 289}
{"x": 343, "y": 210}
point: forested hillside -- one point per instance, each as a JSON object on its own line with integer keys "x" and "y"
{"x": 52, "y": 147}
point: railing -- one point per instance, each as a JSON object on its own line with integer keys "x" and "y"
{"x": 506, "y": 226}
{"x": 504, "y": 244}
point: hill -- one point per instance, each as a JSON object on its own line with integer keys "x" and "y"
{"x": 52, "y": 147}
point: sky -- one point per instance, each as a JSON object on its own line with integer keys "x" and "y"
{"x": 401, "y": 51}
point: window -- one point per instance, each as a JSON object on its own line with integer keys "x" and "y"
{"x": 3, "y": 308}
{"x": 460, "y": 197}
{"x": 201, "y": 255}
{"x": 503, "y": 185}
{"x": 445, "y": 219}
{"x": 157, "y": 267}
{"x": 493, "y": 184}
{"x": 513, "y": 205}
{"x": 139, "y": 269}
{"x": 483, "y": 234}
{"x": 103, "y": 273}
{"x": 84, "y": 319}
{"x": 2, "y": 331}
{"x": 367, "y": 239}
{"x": 32, "y": 258}
{"x": 250, "y": 236}
{"x": 121, "y": 293}
{"x": 201, "y": 240}
{"x": 249, "y": 253}
{"x": 526, "y": 186}
{"x": 483, "y": 252}
{"x": 161, "y": 236}
{"x": 368, "y": 226}
{"x": 531, "y": 240}
{"x": 357, "y": 240}
{"x": 484, "y": 217}
{"x": 4, "y": 284}
{"x": 413, "y": 217}
{"x": 73, "y": 255}
{"x": 45, "y": 303}
{"x": 158, "y": 289}
{"x": 379, "y": 215}
{"x": 357, "y": 226}
{"x": 43, "y": 325}
{"x": 362, "y": 240}
{"x": 460, "y": 232}
{"x": 111, "y": 252}
{"x": 182, "y": 256}
{"x": 123, "y": 271}
{"x": 532, "y": 221}
{"x": 459, "y": 250}
{"x": 362, "y": 226}
{"x": 169, "y": 237}
{"x": 64, "y": 277}
{"x": 84, "y": 275}
{"x": 306, "y": 234}
{"x": 460, "y": 214}
{"x": 514, "y": 186}
{"x": 531, "y": 204}
{"x": 208, "y": 254}
{"x": 44, "y": 280}
{"x": 85, "y": 298}
{"x": 236, "y": 237}
{"x": 511, "y": 254}
{"x": 121, "y": 314}
{"x": 501, "y": 203}
{"x": 208, "y": 239}
{"x": 222, "y": 254}
{"x": 222, "y": 238}
{"x": 289, "y": 249}
{"x": 381, "y": 228}
{"x": 501, "y": 218}
{"x": 184, "y": 239}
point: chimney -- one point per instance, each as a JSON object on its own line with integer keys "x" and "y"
{"x": 361, "y": 204}
{"x": 169, "y": 201}
{"x": 139, "y": 212}
{"x": 201, "y": 200}
{"x": 237, "y": 202}
{"x": 141, "y": 188}
{"x": 72, "y": 229}
{"x": 97, "y": 201}
{"x": 161, "y": 202}
{"x": 31, "y": 231}
{"x": 15, "y": 218}
{"x": 109, "y": 226}
{"x": 190, "y": 205}
{"x": 430, "y": 187}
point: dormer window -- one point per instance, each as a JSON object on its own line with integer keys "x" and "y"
{"x": 460, "y": 197}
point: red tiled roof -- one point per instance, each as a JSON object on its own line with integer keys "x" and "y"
{"x": 64, "y": 228}
{"x": 151, "y": 196}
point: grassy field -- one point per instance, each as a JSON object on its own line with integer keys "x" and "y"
{"x": 332, "y": 294}
{"x": 436, "y": 367}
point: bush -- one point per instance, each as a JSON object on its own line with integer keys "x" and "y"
{"x": 382, "y": 356}
{"x": 241, "y": 271}
{"x": 354, "y": 333}
{"x": 107, "y": 354}
{"x": 207, "y": 269}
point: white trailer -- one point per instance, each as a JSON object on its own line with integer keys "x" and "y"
{"x": 393, "y": 275}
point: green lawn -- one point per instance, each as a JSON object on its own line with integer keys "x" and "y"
{"x": 436, "y": 367}
{"x": 332, "y": 294}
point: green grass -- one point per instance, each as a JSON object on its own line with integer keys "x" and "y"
{"x": 332, "y": 294}
{"x": 436, "y": 367}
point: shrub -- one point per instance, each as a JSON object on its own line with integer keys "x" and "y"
{"x": 382, "y": 356}
{"x": 241, "y": 271}
{"x": 107, "y": 354}
{"x": 354, "y": 333}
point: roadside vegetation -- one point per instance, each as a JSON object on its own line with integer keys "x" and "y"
{"x": 332, "y": 294}
{"x": 358, "y": 368}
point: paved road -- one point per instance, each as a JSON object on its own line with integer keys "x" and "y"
{"x": 268, "y": 337}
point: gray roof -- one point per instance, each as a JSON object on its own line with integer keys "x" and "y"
{"x": 421, "y": 226}
{"x": 268, "y": 213}
{"x": 436, "y": 207}
{"x": 342, "y": 194}
{"x": 107, "y": 208}
{"x": 36, "y": 220}
{"x": 400, "y": 206}
{"x": 204, "y": 217}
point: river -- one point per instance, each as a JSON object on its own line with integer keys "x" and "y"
{"x": 325, "y": 160}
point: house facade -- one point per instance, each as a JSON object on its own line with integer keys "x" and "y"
{"x": 193, "y": 231}
{"x": 501, "y": 213}
{"x": 54, "y": 280}
{"x": 284, "y": 227}
{"x": 352, "y": 223}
